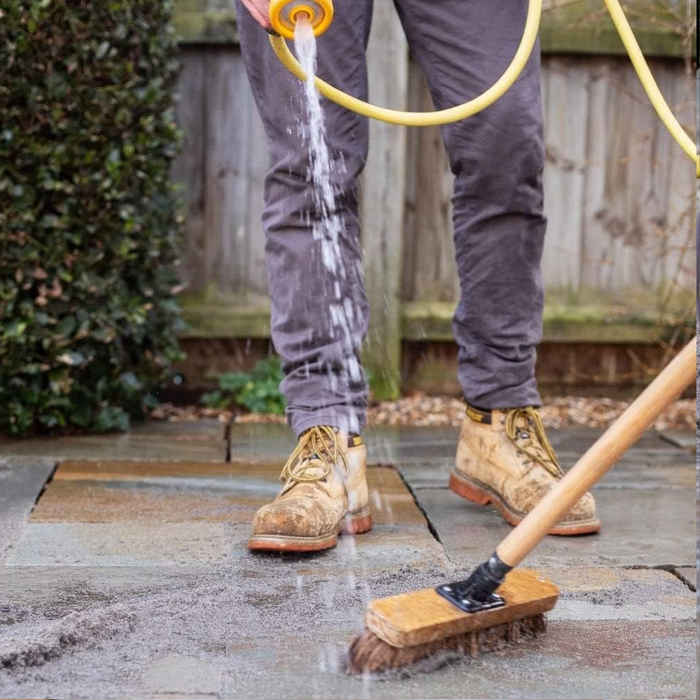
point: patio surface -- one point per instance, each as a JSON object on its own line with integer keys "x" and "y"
{"x": 124, "y": 571}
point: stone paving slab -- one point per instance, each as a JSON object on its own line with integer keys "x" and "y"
{"x": 590, "y": 660}
{"x": 686, "y": 439}
{"x": 147, "y": 492}
{"x": 390, "y": 447}
{"x": 587, "y": 593}
{"x": 203, "y": 440}
{"x": 395, "y": 443}
{"x": 260, "y": 628}
{"x": 211, "y": 619}
{"x": 253, "y": 433}
{"x": 163, "y": 514}
{"x": 404, "y": 456}
{"x": 624, "y": 475}
{"x": 161, "y": 492}
{"x": 204, "y": 429}
{"x": 126, "y": 544}
{"x": 120, "y": 447}
{"x": 640, "y": 527}
{"x": 581, "y": 438}
{"x": 21, "y": 483}
{"x": 606, "y": 593}
{"x": 196, "y": 544}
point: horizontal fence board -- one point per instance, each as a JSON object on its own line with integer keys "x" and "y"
{"x": 432, "y": 321}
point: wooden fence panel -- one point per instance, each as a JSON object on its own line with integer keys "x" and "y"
{"x": 221, "y": 168}
{"x": 618, "y": 195}
{"x": 383, "y": 204}
{"x": 639, "y": 185}
{"x": 189, "y": 167}
{"x": 618, "y": 190}
{"x": 429, "y": 270}
{"x": 566, "y": 133}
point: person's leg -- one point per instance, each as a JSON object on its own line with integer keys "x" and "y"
{"x": 325, "y": 490}
{"x": 316, "y": 357}
{"x": 497, "y": 157}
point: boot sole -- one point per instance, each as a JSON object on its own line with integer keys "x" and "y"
{"x": 482, "y": 495}
{"x": 352, "y": 524}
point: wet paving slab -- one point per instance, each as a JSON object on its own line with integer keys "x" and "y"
{"x": 572, "y": 660}
{"x": 685, "y": 439}
{"x": 646, "y": 503}
{"x": 399, "y": 445}
{"x": 610, "y": 593}
{"x": 162, "y": 492}
{"x": 207, "y": 444}
{"x": 160, "y": 514}
{"x": 21, "y": 483}
{"x": 120, "y": 447}
{"x": 136, "y": 579}
{"x": 629, "y": 474}
{"x": 385, "y": 444}
{"x": 259, "y": 628}
{"x": 640, "y": 528}
{"x": 201, "y": 428}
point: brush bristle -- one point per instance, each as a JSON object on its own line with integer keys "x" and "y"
{"x": 369, "y": 654}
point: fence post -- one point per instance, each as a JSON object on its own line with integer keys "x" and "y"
{"x": 383, "y": 203}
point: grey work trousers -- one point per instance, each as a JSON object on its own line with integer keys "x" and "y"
{"x": 497, "y": 157}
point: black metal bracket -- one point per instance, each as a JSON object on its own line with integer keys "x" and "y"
{"x": 454, "y": 592}
{"x": 478, "y": 592}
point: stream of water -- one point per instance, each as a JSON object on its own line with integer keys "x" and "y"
{"x": 327, "y": 224}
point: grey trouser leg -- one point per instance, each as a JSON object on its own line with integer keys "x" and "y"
{"x": 318, "y": 386}
{"x": 497, "y": 157}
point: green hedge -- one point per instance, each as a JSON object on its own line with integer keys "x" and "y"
{"x": 88, "y": 224}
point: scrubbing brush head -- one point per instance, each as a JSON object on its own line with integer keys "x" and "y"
{"x": 405, "y": 628}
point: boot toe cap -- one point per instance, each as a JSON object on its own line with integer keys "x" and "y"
{"x": 583, "y": 510}
{"x": 290, "y": 519}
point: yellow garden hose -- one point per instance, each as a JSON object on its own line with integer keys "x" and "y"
{"x": 444, "y": 116}
{"x": 649, "y": 84}
{"x": 282, "y": 13}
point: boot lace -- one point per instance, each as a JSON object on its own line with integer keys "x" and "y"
{"x": 317, "y": 449}
{"x": 525, "y": 428}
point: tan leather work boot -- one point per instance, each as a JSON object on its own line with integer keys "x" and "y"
{"x": 325, "y": 493}
{"x": 505, "y": 458}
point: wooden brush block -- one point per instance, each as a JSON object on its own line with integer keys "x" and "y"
{"x": 424, "y": 616}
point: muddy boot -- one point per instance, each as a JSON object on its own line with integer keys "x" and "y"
{"x": 505, "y": 458}
{"x": 325, "y": 493}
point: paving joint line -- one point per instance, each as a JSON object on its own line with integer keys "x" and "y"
{"x": 431, "y": 527}
{"x": 673, "y": 569}
{"x": 46, "y": 485}
{"x": 670, "y": 568}
{"x": 692, "y": 586}
{"x": 228, "y": 429}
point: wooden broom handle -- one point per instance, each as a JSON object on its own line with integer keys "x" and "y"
{"x": 626, "y": 430}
